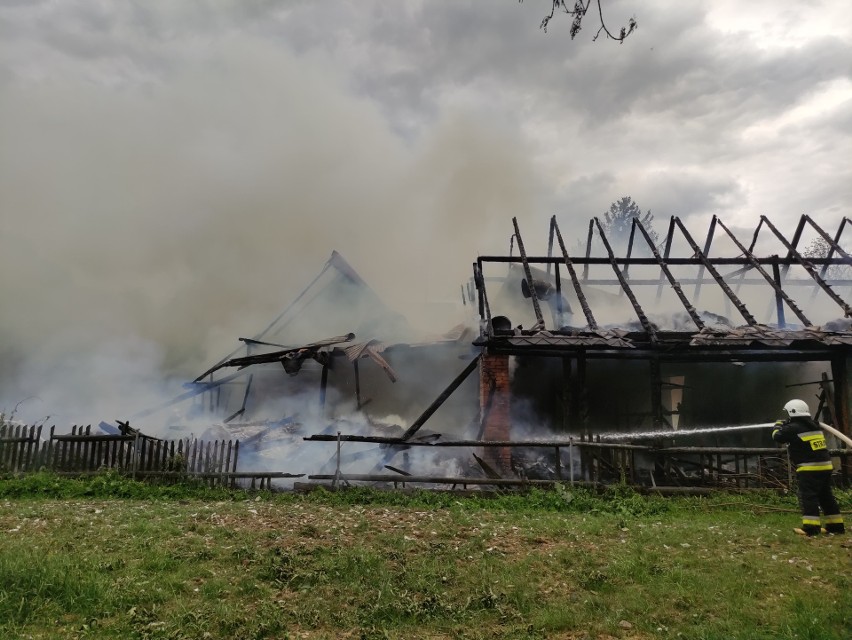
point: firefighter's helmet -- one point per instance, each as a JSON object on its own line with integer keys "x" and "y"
{"x": 796, "y": 408}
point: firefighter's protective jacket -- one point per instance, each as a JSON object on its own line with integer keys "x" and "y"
{"x": 806, "y": 443}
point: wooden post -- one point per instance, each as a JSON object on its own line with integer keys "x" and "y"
{"x": 656, "y": 393}
{"x": 236, "y": 453}
{"x": 193, "y": 460}
{"x": 136, "y": 454}
{"x": 48, "y": 459}
{"x": 566, "y": 395}
{"x": 840, "y": 375}
{"x": 14, "y": 448}
{"x": 334, "y": 483}
{"x": 571, "y": 460}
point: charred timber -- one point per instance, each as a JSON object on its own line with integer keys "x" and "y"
{"x": 669, "y": 260}
{"x": 475, "y": 443}
{"x": 533, "y": 296}
{"x": 622, "y": 281}
{"x": 684, "y": 354}
{"x": 98, "y": 438}
{"x": 446, "y": 393}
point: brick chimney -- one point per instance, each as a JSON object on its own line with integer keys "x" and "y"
{"x": 494, "y": 373}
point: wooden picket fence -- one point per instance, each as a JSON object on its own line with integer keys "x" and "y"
{"x": 22, "y": 450}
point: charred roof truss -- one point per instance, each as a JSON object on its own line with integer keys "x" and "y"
{"x": 798, "y": 341}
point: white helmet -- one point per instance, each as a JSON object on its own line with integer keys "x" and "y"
{"x": 797, "y": 408}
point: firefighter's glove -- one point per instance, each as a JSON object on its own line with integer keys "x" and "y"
{"x": 779, "y": 424}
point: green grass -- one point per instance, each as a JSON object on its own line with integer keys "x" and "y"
{"x": 110, "y": 558}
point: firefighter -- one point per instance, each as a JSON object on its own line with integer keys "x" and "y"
{"x": 808, "y": 452}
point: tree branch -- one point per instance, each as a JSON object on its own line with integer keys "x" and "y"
{"x": 579, "y": 12}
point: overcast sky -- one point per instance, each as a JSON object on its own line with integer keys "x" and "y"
{"x": 173, "y": 173}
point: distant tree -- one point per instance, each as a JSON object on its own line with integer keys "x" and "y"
{"x": 819, "y": 248}
{"x": 619, "y": 219}
{"x": 577, "y": 10}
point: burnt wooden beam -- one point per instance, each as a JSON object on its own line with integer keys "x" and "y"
{"x": 832, "y": 242}
{"x": 837, "y": 237}
{"x": 566, "y": 394}
{"x": 774, "y": 282}
{"x": 242, "y": 408}
{"x": 656, "y": 393}
{"x": 671, "y": 353}
{"x": 260, "y": 358}
{"x": 550, "y": 235}
{"x": 588, "y": 251}
{"x": 395, "y": 470}
{"x": 539, "y": 324}
{"x": 789, "y": 283}
{"x": 808, "y": 266}
{"x": 446, "y": 393}
{"x": 779, "y": 298}
{"x": 640, "y": 313}
{"x": 682, "y": 261}
{"x": 629, "y": 253}
{"x": 578, "y": 289}
{"x": 560, "y": 307}
{"x": 707, "y": 244}
{"x": 484, "y": 307}
{"x": 791, "y": 247}
{"x": 716, "y": 275}
{"x": 489, "y": 471}
{"x": 672, "y": 281}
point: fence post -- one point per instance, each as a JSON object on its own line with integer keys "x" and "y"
{"x": 136, "y": 453}
{"x": 334, "y": 482}
{"x": 571, "y": 459}
{"x": 234, "y": 469}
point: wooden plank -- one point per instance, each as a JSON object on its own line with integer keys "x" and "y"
{"x": 228, "y": 457}
{"x": 14, "y": 448}
{"x": 8, "y": 446}
{"x": 92, "y": 438}
{"x": 234, "y": 469}
{"x": 206, "y": 457}
{"x": 61, "y": 454}
{"x": 194, "y": 466}
{"x": 94, "y": 454}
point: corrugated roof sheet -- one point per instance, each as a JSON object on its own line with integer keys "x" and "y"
{"x": 769, "y": 336}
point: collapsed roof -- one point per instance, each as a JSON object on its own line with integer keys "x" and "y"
{"x": 604, "y": 285}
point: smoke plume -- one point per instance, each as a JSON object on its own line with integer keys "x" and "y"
{"x": 147, "y": 223}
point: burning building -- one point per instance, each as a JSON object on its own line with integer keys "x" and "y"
{"x": 642, "y": 342}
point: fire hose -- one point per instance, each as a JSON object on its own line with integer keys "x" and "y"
{"x": 837, "y": 433}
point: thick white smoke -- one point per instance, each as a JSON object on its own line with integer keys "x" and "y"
{"x": 148, "y": 222}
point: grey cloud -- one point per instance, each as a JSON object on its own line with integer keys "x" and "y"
{"x": 682, "y": 194}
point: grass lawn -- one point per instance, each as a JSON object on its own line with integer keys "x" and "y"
{"x": 111, "y": 558}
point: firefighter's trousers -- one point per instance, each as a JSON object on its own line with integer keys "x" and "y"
{"x": 815, "y": 494}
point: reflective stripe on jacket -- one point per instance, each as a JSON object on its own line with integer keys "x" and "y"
{"x": 806, "y": 443}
